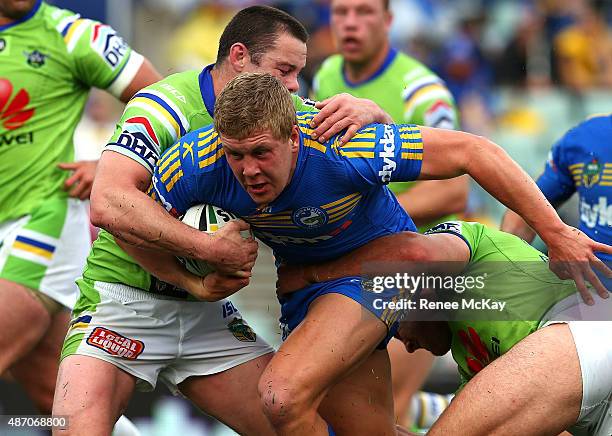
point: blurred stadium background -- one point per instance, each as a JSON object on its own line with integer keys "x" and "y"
{"x": 522, "y": 72}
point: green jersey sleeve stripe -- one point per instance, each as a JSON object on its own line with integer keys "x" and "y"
{"x": 74, "y": 33}
{"x": 156, "y": 111}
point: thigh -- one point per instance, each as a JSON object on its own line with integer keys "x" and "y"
{"x": 535, "y": 388}
{"x": 363, "y": 392}
{"x": 37, "y": 371}
{"x": 23, "y": 322}
{"x": 334, "y": 338}
{"x": 126, "y": 327}
{"x": 92, "y": 393}
{"x": 219, "y": 394}
{"x": 46, "y": 251}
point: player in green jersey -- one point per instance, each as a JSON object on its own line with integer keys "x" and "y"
{"x": 368, "y": 67}
{"x": 49, "y": 60}
{"x": 512, "y": 345}
{"x": 258, "y": 38}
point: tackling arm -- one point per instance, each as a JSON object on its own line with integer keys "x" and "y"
{"x": 449, "y": 153}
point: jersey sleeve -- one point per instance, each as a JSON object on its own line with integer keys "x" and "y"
{"x": 381, "y": 153}
{"x": 556, "y": 182}
{"x": 101, "y": 58}
{"x": 152, "y": 121}
{"x": 428, "y": 102}
{"x": 174, "y": 178}
{"x": 464, "y": 230}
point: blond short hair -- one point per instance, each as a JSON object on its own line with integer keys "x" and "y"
{"x": 252, "y": 103}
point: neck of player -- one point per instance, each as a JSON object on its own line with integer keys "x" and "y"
{"x": 359, "y": 71}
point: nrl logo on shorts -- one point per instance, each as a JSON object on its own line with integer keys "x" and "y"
{"x": 591, "y": 173}
{"x": 242, "y": 331}
{"x": 35, "y": 58}
{"x": 310, "y": 217}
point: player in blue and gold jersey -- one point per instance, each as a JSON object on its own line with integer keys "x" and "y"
{"x": 312, "y": 202}
{"x": 580, "y": 162}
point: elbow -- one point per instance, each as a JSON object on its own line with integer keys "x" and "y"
{"x": 100, "y": 213}
{"x": 414, "y": 248}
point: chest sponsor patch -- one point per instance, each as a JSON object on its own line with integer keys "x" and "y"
{"x": 115, "y": 344}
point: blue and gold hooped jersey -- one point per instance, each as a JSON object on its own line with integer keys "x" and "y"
{"x": 335, "y": 202}
{"x": 581, "y": 161}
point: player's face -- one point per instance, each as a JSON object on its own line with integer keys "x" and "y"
{"x": 434, "y": 336}
{"x": 15, "y": 9}
{"x": 262, "y": 164}
{"x": 284, "y": 61}
{"x": 359, "y": 28}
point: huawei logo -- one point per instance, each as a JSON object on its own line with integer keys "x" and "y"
{"x": 12, "y": 112}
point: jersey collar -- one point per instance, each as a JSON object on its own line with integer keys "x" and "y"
{"x": 207, "y": 90}
{"x": 25, "y": 18}
{"x": 390, "y": 57}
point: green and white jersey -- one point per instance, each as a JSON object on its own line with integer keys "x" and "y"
{"x": 514, "y": 273}
{"x": 405, "y": 88}
{"x": 153, "y": 120}
{"x": 49, "y": 60}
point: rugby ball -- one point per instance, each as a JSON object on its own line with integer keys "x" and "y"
{"x": 209, "y": 219}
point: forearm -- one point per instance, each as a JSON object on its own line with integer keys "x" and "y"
{"x": 492, "y": 168}
{"x": 120, "y": 206}
{"x": 120, "y": 212}
{"x": 513, "y": 223}
{"x": 164, "y": 266}
{"x": 431, "y": 200}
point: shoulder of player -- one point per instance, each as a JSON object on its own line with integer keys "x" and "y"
{"x": 330, "y": 65}
{"x": 173, "y": 101}
{"x": 202, "y": 148}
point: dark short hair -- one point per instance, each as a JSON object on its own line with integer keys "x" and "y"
{"x": 258, "y": 27}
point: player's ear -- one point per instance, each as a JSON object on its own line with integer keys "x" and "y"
{"x": 238, "y": 56}
{"x": 295, "y": 138}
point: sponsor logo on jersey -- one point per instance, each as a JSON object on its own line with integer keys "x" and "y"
{"x": 591, "y": 173}
{"x": 440, "y": 115}
{"x": 175, "y": 92}
{"x": 110, "y": 46}
{"x": 283, "y": 240}
{"x": 310, "y": 217}
{"x": 35, "y": 58}
{"x": 139, "y": 137}
{"x": 449, "y": 226}
{"x": 596, "y": 214}
{"x": 115, "y": 344}
{"x": 477, "y": 354}
{"x": 387, "y": 154}
{"x": 496, "y": 346}
{"x": 13, "y": 113}
{"x": 241, "y": 330}
{"x": 229, "y": 309}
{"x": 2, "y": 44}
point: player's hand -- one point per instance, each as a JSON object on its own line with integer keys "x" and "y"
{"x": 343, "y": 111}
{"x": 571, "y": 255}
{"x": 290, "y": 279}
{"x": 232, "y": 253}
{"x": 80, "y": 181}
{"x": 217, "y": 286}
